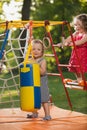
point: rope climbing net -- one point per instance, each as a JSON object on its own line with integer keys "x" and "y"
{"x": 9, "y": 68}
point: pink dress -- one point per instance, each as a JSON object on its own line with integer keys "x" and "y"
{"x": 82, "y": 55}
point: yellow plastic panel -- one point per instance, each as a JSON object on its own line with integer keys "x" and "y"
{"x": 27, "y": 98}
{"x": 36, "y": 75}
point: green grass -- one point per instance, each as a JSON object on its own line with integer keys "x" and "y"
{"x": 78, "y": 98}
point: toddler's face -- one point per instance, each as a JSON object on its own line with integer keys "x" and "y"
{"x": 37, "y": 50}
{"x": 78, "y": 26}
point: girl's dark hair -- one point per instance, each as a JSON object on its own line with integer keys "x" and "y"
{"x": 83, "y": 19}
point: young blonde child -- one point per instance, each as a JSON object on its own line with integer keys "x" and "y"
{"x": 80, "y": 40}
{"x": 37, "y": 52}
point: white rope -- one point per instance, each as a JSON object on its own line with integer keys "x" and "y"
{"x": 9, "y": 77}
{"x": 27, "y": 42}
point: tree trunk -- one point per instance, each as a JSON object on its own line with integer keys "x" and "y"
{"x": 26, "y": 9}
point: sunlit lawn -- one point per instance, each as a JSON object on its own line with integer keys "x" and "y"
{"x": 78, "y": 98}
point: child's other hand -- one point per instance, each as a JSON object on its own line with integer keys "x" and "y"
{"x": 66, "y": 44}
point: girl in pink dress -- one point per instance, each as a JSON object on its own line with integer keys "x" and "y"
{"x": 80, "y": 40}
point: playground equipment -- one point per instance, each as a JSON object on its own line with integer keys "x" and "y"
{"x": 69, "y": 83}
{"x": 15, "y": 53}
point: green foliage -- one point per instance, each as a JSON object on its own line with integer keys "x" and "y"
{"x": 54, "y": 9}
{"x": 83, "y": 6}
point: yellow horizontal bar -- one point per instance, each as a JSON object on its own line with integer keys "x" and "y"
{"x": 21, "y": 24}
